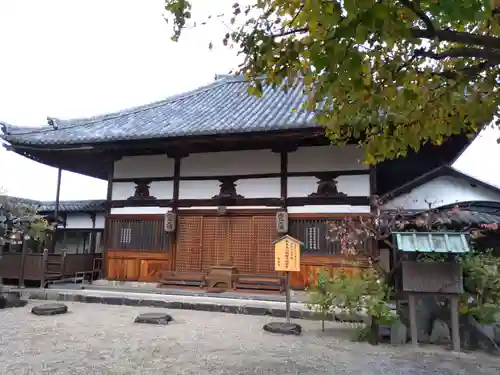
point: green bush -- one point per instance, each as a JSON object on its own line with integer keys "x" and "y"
{"x": 482, "y": 286}
{"x": 354, "y": 294}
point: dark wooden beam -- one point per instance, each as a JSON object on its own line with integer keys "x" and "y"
{"x": 284, "y": 177}
{"x": 352, "y": 172}
{"x": 109, "y": 192}
{"x": 176, "y": 184}
{"x": 270, "y": 202}
{"x": 328, "y": 201}
{"x": 56, "y": 209}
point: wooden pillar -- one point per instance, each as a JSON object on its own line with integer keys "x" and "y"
{"x": 455, "y": 325}
{"x": 284, "y": 178}
{"x": 45, "y": 257}
{"x": 58, "y": 192}
{"x": 109, "y": 198}
{"x": 175, "y": 208}
{"x": 56, "y": 209}
{"x": 412, "y": 304}
{"x": 283, "y": 150}
{"x": 24, "y": 255}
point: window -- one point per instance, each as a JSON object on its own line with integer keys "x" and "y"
{"x": 126, "y": 236}
{"x": 318, "y": 238}
{"x": 137, "y": 234}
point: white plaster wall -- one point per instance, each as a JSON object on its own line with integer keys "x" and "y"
{"x": 329, "y": 209}
{"x": 249, "y": 188}
{"x": 326, "y": 158}
{"x": 100, "y": 220}
{"x": 144, "y": 166}
{"x": 73, "y": 244}
{"x": 355, "y": 185}
{"x": 158, "y": 189}
{"x": 139, "y": 210}
{"x": 77, "y": 220}
{"x": 441, "y": 191}
{"x": 199, "y": 189}
{"x": 229, "y": 163}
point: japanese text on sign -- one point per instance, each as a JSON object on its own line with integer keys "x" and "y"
{"x": 287, "y": 254}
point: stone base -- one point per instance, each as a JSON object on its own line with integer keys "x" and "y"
{"x": 153, "y": 318}
{"x": 283, "y": 328}
{"x": 50, "y": 309}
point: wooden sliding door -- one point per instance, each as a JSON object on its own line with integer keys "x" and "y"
{"x": 244, "y": 241}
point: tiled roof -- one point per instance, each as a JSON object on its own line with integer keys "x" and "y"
{"x": 64, "y": 206}
{"x": 222, "y": 107}
{"x": 470, "y": 214}
{"x": 75, "y": 206}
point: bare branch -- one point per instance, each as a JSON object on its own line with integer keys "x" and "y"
{"x": 458, "y": 37}
{"x": 415, "y": 8}
{"x": 460, "y": 52}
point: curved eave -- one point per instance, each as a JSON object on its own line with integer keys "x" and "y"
{"x": 90, "y": 159}
{"x": 88, "y": 165}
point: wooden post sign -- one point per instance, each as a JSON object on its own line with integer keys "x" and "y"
{"x": 287, "y": 254}
{"x": 287, "y": 259}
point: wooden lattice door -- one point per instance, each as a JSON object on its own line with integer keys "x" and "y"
{"x": 264, "y": 229}
{"x": 242, "y": 241}
{"x": 188, "y": 256}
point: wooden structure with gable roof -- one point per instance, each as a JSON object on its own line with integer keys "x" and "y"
{"x": 225, "y": 162}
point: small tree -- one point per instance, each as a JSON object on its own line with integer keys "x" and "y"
{"x": 19, "y": 219}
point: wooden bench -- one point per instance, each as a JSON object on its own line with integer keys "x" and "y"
{"x": 261, "y": 282}
{"x": 178, "y": 278}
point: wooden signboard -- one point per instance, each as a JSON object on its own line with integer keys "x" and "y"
{"x": 436, "y": 278}
{"x": 287, "y": 254}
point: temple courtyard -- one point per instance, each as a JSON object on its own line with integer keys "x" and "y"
{"x": 102, "y": 339}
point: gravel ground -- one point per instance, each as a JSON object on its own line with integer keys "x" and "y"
{"x": 101, "y": 339}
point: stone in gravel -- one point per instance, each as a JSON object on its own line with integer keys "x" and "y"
{"x": 284, "y": 328}
{"x": 399, "y": 333}
{"x": 10, "y": 300}
{"x": 440, "y": 333}
{"x": 153, "y": 318}
{"x": 50, "y": 309}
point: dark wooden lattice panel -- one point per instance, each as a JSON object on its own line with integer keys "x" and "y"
{"x": 264, "y": 233}
{"x": 188, "y": 255}
{"x": 241, "y": 243}
{"x": 137, "y": 234}
{"x": 209, "y": 242}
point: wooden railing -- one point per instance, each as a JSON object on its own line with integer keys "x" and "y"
{"x": 36, "y": 265}
{"x": 137, "y": 234}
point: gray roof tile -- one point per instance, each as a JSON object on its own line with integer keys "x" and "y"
{"x": 222, "y": 107}
{"x": 96, "y": 205}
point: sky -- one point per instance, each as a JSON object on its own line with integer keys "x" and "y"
{"x": 78, "y": 58}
